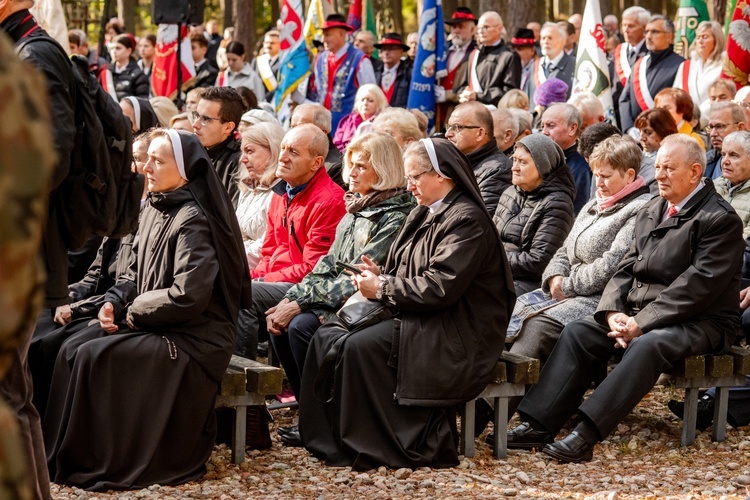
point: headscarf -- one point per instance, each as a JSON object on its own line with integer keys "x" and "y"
{"x": 145, "y": 117}
{"x": 213, "y": 199}
{"x": 545, "y": 152}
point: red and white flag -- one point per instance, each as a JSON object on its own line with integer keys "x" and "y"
{"x": 164, "y": 74}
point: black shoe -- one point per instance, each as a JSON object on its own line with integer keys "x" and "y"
{"x": 282, "y": 431}
{"x": 263, "y": 349}
{"x": 705, "y": 418}
{"x": 291, "y": 437}
{"x": 483, "y": 415}
{"x": 525, "y": 437}
{"x": 572, "y": 448}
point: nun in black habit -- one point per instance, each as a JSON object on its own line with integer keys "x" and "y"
{"x": 132, "y": 402}
{"x": 140, "y": 113}
{"x": 448, "y": 282}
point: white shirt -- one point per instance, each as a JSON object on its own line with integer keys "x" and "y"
{"x": 679, "y": 206}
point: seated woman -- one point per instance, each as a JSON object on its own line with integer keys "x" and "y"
{"x": 132, "y": 399}
{"x": 601, "y": 235}
{"x": 377, "y": 206}
{"x": 680, "y": 106}
{"x": 368, "y": 102}
{"x": 654, "y": 125}
{"x": 396, "y": 383}
{"x": 140, "y": 113}
{"x": 534, "y": 215}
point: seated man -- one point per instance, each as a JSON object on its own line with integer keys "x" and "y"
{"x": 471, "y": 129}
{"x": 302, "y": 224}
{"x": 675, "y": 294}
{"x": 321, "y": 118}
{"x": 734, "y": 183}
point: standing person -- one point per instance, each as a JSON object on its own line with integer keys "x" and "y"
{"x": 146, "y": 52}
{"x": 523, "y": 43}
{"x": 554, "y": 63}
{"x": 494, "y": 68}
{"x": 205, "y": 70}
{"x": 632, "y": 48}
{"x": 365, "y": 41}
{"x": 412, "y": 40}
{"x": 651, "y": 73}
{"x": 645, "y": 310}
{"x": 395, "y": 76}
{"x": 44, "y": 54}
{"x": 240, "y": 73}
{"x": 172, "y": 317}
{"x": 698, "y": 73}
{"x": 339, "y": 70}
{"x": 267, "y": 63}
{"x": 463, "y": 27}
{"x": 123, "y": 77}
{"x": 396, "y": 382}
{"x": 215, "y": 121}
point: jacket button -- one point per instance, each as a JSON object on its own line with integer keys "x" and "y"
{"x": 640, "y": 257}
{"x": 639, "y": 284}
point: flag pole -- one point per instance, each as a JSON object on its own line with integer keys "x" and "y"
{"x": 178, "y": 100}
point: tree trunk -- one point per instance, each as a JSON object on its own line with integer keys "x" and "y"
{"x": 226, "y": 8}
{"x": 523, "y": 12}
{"x": 244, "y": 22}
{"x": 576, "y": 6}
{"x": 398, "y": 17}
{"x": 720, "y": 11}
{"x": 276, "y": 10}
{"x": 126, "y": 10}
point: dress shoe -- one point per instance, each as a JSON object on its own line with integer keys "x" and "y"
{"x": 281, "y": 431}
{"x": 705, "y": 418}
{"x": 525, "y": 437}
{"x": 572, "y": 448}
{"x": 291, "y": 437}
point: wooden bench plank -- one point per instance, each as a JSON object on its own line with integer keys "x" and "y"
{"x": 690, "y": 367}
{"x": 233, "y": 383}
{"x": 501, "y": 374}
{"x": 719, "y": 365}
{"x": 741, "y": 359}
{"x": 261, "y": 378}
{"x": 520, "y": 369}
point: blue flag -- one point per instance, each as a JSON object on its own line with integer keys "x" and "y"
{"x": 430, "y": 62}
{"x": 294, "y": 66}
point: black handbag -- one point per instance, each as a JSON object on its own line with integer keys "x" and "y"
{"x": 350, "y": 319}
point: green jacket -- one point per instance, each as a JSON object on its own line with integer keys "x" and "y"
{"x": 367, "y": 232}
{"x": 739, "y": 197}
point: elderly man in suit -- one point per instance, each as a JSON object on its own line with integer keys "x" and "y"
{"x": 675, "y": 294}
{"x": 554, "y": 63}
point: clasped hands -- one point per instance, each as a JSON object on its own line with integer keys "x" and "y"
{"x": 623, "y": 328}
{"x": 106, "y": 319}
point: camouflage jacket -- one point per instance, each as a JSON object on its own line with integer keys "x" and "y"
{"x": 367, "y": 232}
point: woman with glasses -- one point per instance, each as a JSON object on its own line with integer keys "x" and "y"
{"x": 703, "y": 67}
{"x": 132, "y": 398}
{"x": 396, "y": 382}
{"x": 534, "y": 215}
{"x": 368, "y": 102}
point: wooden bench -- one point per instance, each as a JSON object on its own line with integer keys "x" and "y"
{"x": 720, "y": 371}
{"x": 246, "y": 383}
{"x": 512, "y": 374}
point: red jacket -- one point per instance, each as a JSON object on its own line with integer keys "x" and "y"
{"x": 301, "y": 231}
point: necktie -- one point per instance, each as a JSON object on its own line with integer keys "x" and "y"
{"x": 672, "y": 211}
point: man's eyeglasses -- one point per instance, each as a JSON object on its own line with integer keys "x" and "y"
{"x": 654, "y": 32}
{"x": 719, "y": 127}
{"x": 414, "y": 178}
{"x": 486, "y": 28}
{"x": 205, "y": 120}
{"x": 458, "y": 128}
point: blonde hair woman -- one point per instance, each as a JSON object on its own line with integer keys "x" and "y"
{"x": 368, "y": 102}
{"x": 703, "y": 68}
{"x": 260, "y": 154}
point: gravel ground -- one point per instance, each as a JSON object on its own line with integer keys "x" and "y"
{"x": 643, "y": 458}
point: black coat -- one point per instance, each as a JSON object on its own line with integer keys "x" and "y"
{"x": 205, "y": 76}
{"x": 225, "y": 158}
{"x": 683, "y": 270}
{"x": 660, "y": 74}
{"x": 130, "y": 82}
{"x": 403, "y": 81}
{"x": 498, "y": 70}
{"x": 533, "y": 225}
{"x": 450, "y": 290}
{"x": 492, "y": 170}
{"x": 563, "y": 70}
{"x": 61, "y": 95}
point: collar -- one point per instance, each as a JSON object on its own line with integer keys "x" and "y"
{"x": 216, "y": 150}
{"x": 245, "y": 71}
{"x": 573, "y": 148}
{"x": 340, "y": 53}
{"x": 200, "y": 63}
{"x": 18, "y": 24}
{"x": 394, "y": 69}
{"x": 681, "y": 204}
{"x": 638, "y": 46}
{"x": 554, "y": 61}
{"x": 291, "y": 192}
{"x": 432, "y": 208}
{"x": 658, "y": 55}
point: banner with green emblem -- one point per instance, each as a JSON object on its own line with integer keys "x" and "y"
{"x": 592, "y": 67}
{"x": 689, "y": 15}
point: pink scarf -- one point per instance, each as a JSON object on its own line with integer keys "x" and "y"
{"x": 605, "y": 202}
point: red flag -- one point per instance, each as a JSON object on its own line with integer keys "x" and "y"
{"x": 164, "y": 74}
{"x": 737, "y": 63}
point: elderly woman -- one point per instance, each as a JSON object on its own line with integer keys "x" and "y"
{"x": 396, "y": 382}
{"x": 377, "y": 206}
{"x": 368, "y": 102}
{"x": 703, "y": 68}
{"x": 140, "y": 113}
{"x": 654, "y": 125}
{"x": 680, "y": 106}
{"x": 260, "y": 154}
{"x": 400, "y": 124}
{"x": 132, "y": 399}
{"x": 534, "y": 215}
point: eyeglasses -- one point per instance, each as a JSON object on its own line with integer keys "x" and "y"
{"x": 719, "y": 127}
{"x": 205, "y": 120}
{"x": 458, "y": 128}
{"x": 414, "y": 178}
{"x": 486, "y": 28}
{"x": 744, "y": 104}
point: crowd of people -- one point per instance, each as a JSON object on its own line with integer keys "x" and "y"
{"x": 386, "y": 265}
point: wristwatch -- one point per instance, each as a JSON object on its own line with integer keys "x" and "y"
{"x": 380, "y": 292}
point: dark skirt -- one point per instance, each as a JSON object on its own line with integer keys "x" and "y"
{"x": 122, "y": 414}
{"x": 363, "y": 427}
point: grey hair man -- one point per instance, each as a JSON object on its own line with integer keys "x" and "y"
{"x": 723, "y": 119}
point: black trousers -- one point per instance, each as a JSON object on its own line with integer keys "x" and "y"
{"x": 252, "y": 321}
{"x": 583, "y": 351}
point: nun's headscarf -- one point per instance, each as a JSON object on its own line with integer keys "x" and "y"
{"x": 213, "y": 198}
{"x": 145, "y": 116}
{"x": 449, "y": 162}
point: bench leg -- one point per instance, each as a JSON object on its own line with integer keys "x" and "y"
{"x": 466, "y": 444}
{"x": 689, "y": 417}
{"x": 721, "y": 402}
{"x": 501, "y": 427}
{"x": 239, "y": 429}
